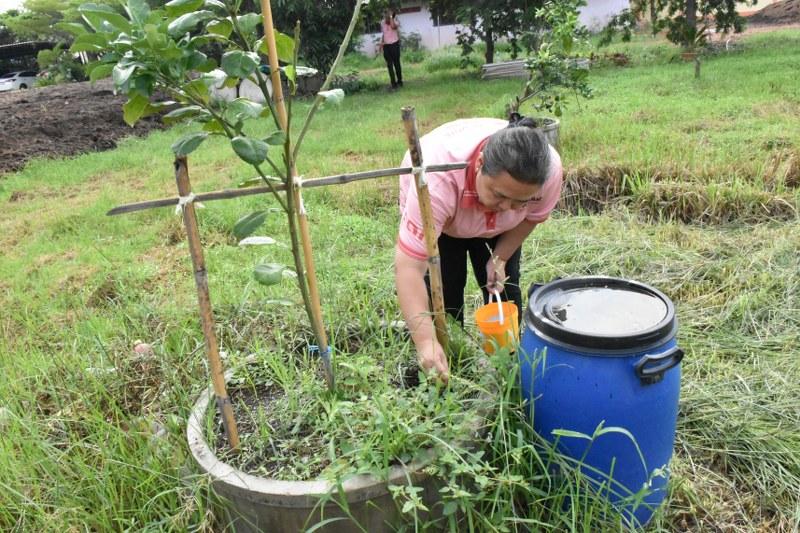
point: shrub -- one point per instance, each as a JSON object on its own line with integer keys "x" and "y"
{"x": 58, "y": 66}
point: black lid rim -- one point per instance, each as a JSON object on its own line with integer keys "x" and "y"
{"x": 542, "y": 325}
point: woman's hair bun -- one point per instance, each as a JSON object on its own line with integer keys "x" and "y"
{"x": 515, "y": 120}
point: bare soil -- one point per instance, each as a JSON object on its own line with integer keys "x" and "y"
{"x": 783, "y": 12}
{"x": 62, "y": 120}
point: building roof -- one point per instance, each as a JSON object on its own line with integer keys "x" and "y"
{"x": 27, "y": 48}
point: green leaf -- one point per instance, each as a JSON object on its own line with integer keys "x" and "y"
{"x": 276, "y": 138}
{"x": 214, "y": 126}
{"x": 215, "y": 78}
{"x": 570, "y": 433}
{"x": 220, "y": 27}
{"x": 242, "y": 109}
{"x": 250, "y": 150}
{"x": 246, "y": 225}
{"x": 230, "y": 83}
{"x": 197, "y": 89}
{"x": 216, "y": 4}
{"x": 449, "y": 508}
{"x": 256, "y": 241}
{"x": 287, "y": 303}
{"x": 183, "y": 113}
{"x": 194, "y": 60}
{"x": 187, "y": 22}
{"x": 122, "y": 73}
{"x": 248, "y": 22}
{"x": 268, "y": 273}
{"x": 73, "y": 28}
{"x": 291, "y": 76}
{"x": 285, "y": 46}
{"x": 176, "y": 8}
{"x": 188, "y": 143}
{"x": 97, "y": 15}
{"x": 206, "y": 66}
{"x": 134, "y": 109}
{"x": 90, "y": 42}
{"x": 239, "y": 64}
{"x": 100, "y": 71}
{"x": 138, "y": 11}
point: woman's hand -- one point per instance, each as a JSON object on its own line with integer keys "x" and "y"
{"x": 433, "y": 360}
{"x": 495, "y": 274}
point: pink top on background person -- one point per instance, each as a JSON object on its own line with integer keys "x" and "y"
{"x": 390, "y": 35}
{"x": 454, "y": 199}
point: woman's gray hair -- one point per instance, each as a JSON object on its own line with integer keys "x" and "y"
{"x": 520, "y": 150}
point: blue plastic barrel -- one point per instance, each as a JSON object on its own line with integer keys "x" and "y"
{"x": 598, "y": 357}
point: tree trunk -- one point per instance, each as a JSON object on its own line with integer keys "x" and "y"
{"x": 653, "y": 17}
{"x": 691, "y": 14}
{"x": 488, "y": 38}
{"x": 697, "y": 67}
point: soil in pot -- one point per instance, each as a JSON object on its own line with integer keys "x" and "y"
{"x": 384, "y": 411}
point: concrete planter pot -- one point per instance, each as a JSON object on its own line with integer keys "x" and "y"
{"x": 549, "y": 127}
{"x": 259, "y": 504}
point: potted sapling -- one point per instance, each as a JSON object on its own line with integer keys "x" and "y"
{"x": 555, "y": 73}
{"x": 335, "y": 439}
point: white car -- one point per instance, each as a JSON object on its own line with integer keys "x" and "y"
{"x": 17, "y": 80}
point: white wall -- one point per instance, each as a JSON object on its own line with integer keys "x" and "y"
{"x": 597, "y": 13}
{"x": 433, "y": 37}
{"x": 594, "y": 16}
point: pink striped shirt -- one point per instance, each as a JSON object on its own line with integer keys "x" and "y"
{"x": 454, "y": 200}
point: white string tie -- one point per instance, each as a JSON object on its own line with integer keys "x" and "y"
{"x": 183, "y": 201}
{"x": 419, "y": 172}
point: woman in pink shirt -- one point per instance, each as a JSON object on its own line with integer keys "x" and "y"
{"x": 390, "y": 44}
{"x": 485, "y": 212}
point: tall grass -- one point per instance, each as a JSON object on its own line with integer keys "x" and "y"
{"x": 91, "y": 434}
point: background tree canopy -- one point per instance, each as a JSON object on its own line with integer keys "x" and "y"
{"x": 489, "y": 20}
{"x": 323, "y": 23}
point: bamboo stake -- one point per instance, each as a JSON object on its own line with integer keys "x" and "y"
{"x": 302, "y": 217}
{"x": 338, "y": 179}
{"x": 424, "y": 197}
{"x": 204, "y": 300}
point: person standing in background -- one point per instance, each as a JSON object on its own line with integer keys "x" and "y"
{"x": 390, "y": 44}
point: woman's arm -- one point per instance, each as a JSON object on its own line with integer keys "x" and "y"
{"x": 413, "y": 297}
{"x": 506, "y": 245}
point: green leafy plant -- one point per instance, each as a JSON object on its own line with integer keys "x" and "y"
{"x": 555, "y": 71}
{"x": 148, "y": 50}
{"x": 489, "y": 21}
{"x": 58, "y": 66}
{"x": 686, "y": 22}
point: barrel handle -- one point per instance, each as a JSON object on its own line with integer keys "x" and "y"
{"x": 535, "y": 287}
{"x": 651, "y": 367}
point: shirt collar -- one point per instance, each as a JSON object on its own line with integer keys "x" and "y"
{"x": 469, "y": 198}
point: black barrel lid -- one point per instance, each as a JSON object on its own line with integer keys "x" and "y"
{"x": 601, "y": 313}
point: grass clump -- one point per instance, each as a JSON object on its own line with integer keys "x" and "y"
{"x": 384, "y": 411}
{"x": 92, "y": 434}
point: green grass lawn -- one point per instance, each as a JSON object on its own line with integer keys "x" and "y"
{"x": 689, "y": 185}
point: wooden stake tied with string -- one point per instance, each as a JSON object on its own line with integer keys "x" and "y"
{"x": 428, "y": 227}
{"x": 186, "y": 205}
{"x": 302, "y": 218}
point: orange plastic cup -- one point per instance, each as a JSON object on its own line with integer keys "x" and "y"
{"x": 498, "y": 333}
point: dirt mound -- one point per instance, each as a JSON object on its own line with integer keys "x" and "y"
{"x": 782, "y": 12}
{"x": 62, "y": 120}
